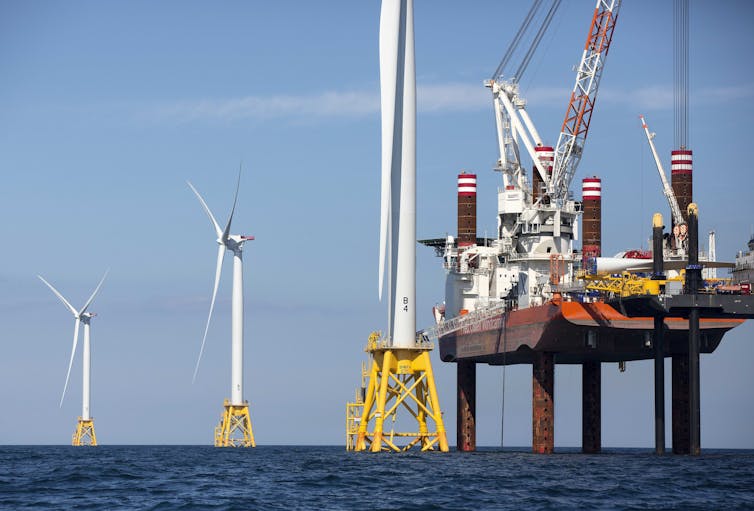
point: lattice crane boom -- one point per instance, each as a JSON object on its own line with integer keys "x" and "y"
{"x": 579, "y": 113}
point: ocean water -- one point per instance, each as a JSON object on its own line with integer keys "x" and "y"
{"x": 268, "y": 477}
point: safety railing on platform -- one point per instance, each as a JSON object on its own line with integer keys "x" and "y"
{"x": 451, "y": 325}
{"x": 377, "y": 342}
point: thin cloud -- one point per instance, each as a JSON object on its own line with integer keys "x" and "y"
{"x": 328, "y": 104}
{"x": 436, "y": 98}
{"x": 656, "y": 97}
{"x": 548, "y": 96}
{"x": 726, "y": 94}
{"x": 452, "y": 97}
{"x": 431, "y": 98}
{"x": 660, "y": 97}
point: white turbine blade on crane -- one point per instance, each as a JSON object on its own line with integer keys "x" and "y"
{"x": 218, "y": 270}
{"x": 62, "y": 298}
{"x": 91, "y": 298}
{"x": 218, "y": 231}
{"x": 70, "y": 363}
{"x": 226, "y": 232}
{"x": 389, "y": 27}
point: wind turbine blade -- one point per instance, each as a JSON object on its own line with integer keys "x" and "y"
{"x": 384, "y": 212}
{"x": 91, "y": 298}
{"x": 226, "y": 232}
{"x": 218, "y": 270}
{"x": 389, "y": 30}
{"x": 218, "y": 231}
{"x": 62, "y": 299}
{"x": 70, "y": 363}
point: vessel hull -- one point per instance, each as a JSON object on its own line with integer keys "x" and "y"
{"x": 575, "y": 333}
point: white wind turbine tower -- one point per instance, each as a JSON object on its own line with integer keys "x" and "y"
{"x": 84, "y": 434}
{"x": 234, "y": 429}
{"x": 401, "y": 367}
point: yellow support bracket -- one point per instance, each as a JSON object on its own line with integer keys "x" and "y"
{"x": 626, "y": 284}
{"x": 399, "y": 378}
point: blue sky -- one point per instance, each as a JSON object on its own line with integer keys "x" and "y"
{"x": 107, "y": 108}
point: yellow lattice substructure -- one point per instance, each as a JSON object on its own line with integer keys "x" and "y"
{"x": 354, "y": 410}
{"x": 84, "y": 434}
{"x": 400, "y": 378}
{"x": 234, "y": 429}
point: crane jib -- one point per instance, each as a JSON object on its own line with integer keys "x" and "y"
{"x": 581, "y": 105}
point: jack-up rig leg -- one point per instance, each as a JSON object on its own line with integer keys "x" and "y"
{"x": 591, "y": 414}
{"x": 466, "y": 416}
{"x": 543, "y": 409}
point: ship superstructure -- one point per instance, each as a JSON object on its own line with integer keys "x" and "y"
{"x": 744, "y": 268}
{"x": 533, "y": 254}
{"x": 530, "y": 296}
{"x": 515, "y": 269}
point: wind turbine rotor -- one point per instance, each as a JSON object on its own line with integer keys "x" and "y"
{"x": 225, "y": 241}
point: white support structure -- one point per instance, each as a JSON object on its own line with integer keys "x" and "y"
{"x": 236, "y": 373}
{"x": 86, "y": 385}
{"x": 509, "y": 163}
{"x": 508, "y": 105}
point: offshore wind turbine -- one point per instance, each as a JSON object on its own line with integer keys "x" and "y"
{"x": 84, "y": 434}
{"x": 401, "y": 367}
{"x": 234, "y": 429}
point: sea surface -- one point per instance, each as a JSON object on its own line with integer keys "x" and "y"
{"x": 269, "y": 477}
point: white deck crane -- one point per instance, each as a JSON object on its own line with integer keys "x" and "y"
{"x": 579, "y": 113}
{"x": 523, "y": 207}
{"x": 513, "y": 123}
{"x": 675, "y": 209}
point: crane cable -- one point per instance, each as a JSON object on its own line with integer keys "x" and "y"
{"x": 681, "y": 71}
{"x": 533, "y": 48}
{"x": 517, "y": 39}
